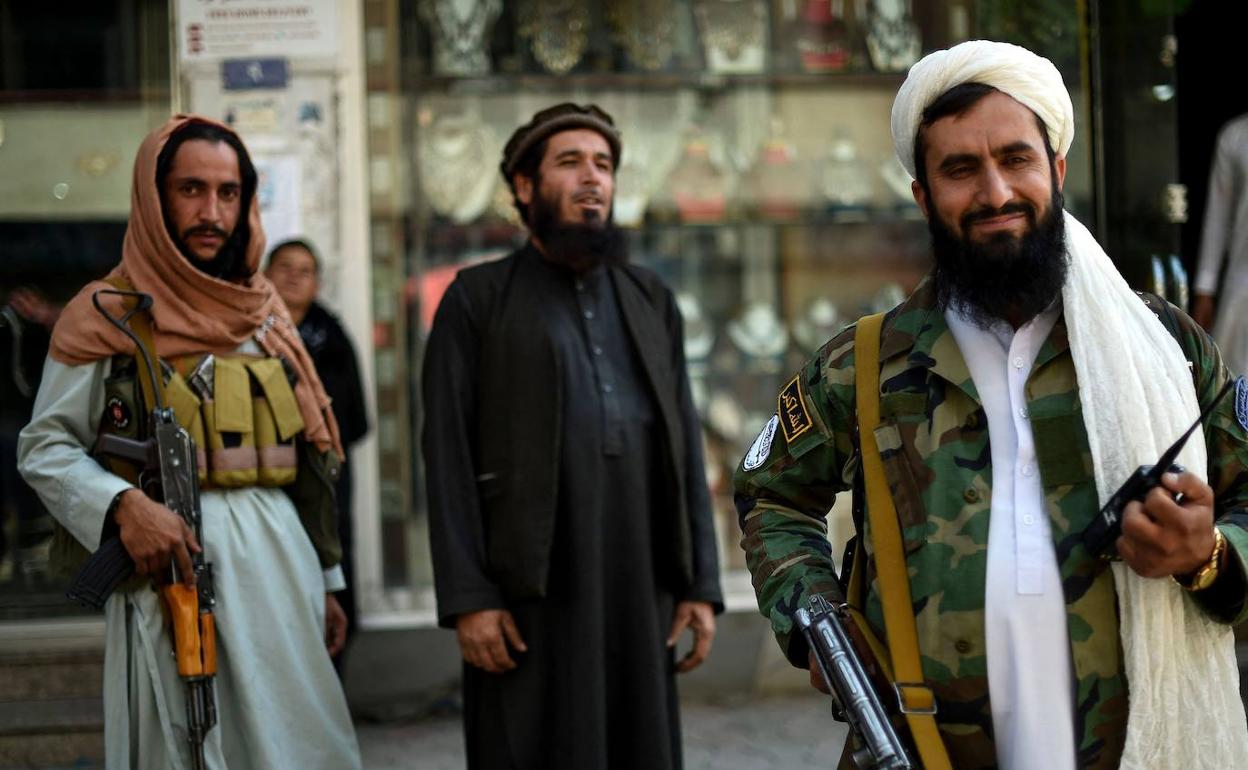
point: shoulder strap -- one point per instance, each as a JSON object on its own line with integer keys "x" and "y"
{"x": 1164, "y": 312}
{"x": 141, "y": 323}
{"x": 918, "y": 703}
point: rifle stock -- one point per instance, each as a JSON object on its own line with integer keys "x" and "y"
{"x": 104, "y": 570}
{"x": 110, "y": 565}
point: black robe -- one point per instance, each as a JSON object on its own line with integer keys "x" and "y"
{"x": 334, "y": 357}
{"x": 596, "y": 688}
{"x": 23, "y": 347}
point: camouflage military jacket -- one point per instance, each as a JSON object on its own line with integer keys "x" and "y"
{"x": 933, "y": 439}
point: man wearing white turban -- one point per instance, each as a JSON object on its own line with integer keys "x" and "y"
{"x": 1020, "y": 385}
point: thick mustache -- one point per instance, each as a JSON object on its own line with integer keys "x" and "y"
{"x": 1025, "y": 209}
{"x": 205, "y": 230}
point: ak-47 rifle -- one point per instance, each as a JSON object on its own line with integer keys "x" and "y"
{"x": 169, "y": 475}
{"x": 854, "y": 699}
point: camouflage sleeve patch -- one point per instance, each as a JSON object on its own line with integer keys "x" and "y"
{"x": 785, "y": 486}
{"x": 792, "y": 409}
{"x": 1241, "y": 402}
{"x": 1226, "y": 441}
{"x": 760, "y": 450}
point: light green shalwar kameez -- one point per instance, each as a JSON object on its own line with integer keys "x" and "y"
{"x": 279, "y": 703}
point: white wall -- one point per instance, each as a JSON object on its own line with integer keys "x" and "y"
{"x": 333, "y": 213}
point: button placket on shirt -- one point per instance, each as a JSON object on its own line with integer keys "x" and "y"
{"x": 1030, "y": 536}
{"x": 1024, "y": 612}
{"x": 587, "y": 299}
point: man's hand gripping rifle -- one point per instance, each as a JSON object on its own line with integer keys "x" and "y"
{"x": 169, "y": 475}
{"x": 854, "y": 697}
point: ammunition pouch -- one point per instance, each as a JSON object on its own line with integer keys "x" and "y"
{"x": 277, "y": 422}
{"x": 244, "y": 430}
{"x": 247, "y": 433}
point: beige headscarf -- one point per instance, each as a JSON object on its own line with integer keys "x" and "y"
{"x": 1185, "y": 709}
{"x": 192, "y": 312}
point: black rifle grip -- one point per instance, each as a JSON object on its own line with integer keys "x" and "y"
{"x": 107, "y": 568}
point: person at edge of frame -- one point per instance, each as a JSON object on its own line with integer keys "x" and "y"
{"x": 1021, "y": 384}
{"x": 1218, "y": 292}
{"x": 26, "y": 321}
{"x": 194, "y": 243}
{"x": 570, "y": 520}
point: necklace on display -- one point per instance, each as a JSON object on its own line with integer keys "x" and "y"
{"x": 503, "y": 206}
{"x": 758, "y": 332}
{"x": 892, "y": 36}
{"x": 731, "y": 28}
{"x": 459, "y": 38}
{"x": 823, "y": 39}
{"x": 646, "y": 30}
{"x": 724, "y": 415}
{"x": 455, "y": 161}
{"x": 845, "y": 180}
{"x": 889, "y": 296}
{"x": 776, "y": 179}
{"x": 699, "y": 335}
{"x": 558, "y": 32}
{"x": 697, "y": 186}
{"x": 631, "y": 197}
{"x": 896, "y": 179}
{"x": 818, "y": 324}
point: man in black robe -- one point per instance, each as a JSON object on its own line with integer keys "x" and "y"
{"x": 296, "y": 272}
{"x": 570, "y": 521}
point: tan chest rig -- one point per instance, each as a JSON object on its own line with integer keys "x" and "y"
{"x": 242, "y": 414}
{"x": 240, "y": 410}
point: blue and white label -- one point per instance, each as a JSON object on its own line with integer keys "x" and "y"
{"x": 761, "y": 447}
{"x": 1241, "y": 402}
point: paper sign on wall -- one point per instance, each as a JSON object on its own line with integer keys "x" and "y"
{"x": 211, "y": 30}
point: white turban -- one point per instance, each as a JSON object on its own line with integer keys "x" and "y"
{"x": 1032, "y": 80}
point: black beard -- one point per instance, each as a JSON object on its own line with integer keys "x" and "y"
{"x": 580, "y": 246}
{"x": 224, "y": 264}
{"x": 1005, "y": 278}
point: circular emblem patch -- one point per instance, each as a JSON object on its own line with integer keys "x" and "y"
{"x": 118, "y": 412}
{"x": 1241, "y": 402}
{"x": 761, "y": 447}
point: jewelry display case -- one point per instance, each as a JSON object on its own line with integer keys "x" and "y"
{"x": 758, "y": 178}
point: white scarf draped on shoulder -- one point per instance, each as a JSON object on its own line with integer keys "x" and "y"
{"x": 1183, "y": 680}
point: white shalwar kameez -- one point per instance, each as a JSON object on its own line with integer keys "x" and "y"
{"x": 279, "y": 702}
{"x": 1224, "y": 241}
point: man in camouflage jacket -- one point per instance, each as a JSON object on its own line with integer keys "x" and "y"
{"x": 934, "y": 443}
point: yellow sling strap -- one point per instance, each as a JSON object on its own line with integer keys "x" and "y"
{"x": 918, "y": 703}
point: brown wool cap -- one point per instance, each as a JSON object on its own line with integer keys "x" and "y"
{"x": 552, "y": 120}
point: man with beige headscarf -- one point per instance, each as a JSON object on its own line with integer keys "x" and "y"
{"x": 1020, "y": 385}
{"x": 238, "y": 379}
